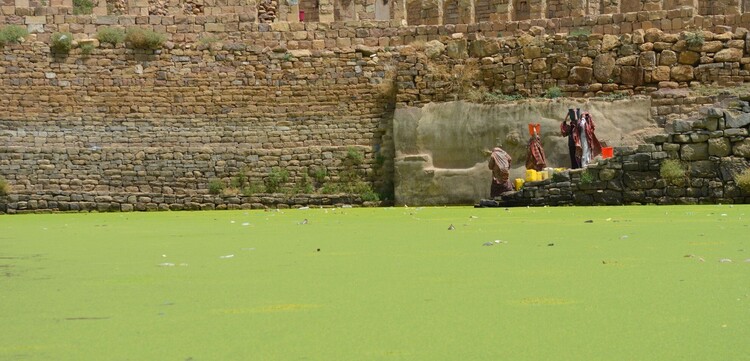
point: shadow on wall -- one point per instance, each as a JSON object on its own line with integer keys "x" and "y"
{"x": 440, "y": 148}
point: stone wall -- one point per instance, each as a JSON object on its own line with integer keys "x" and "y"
{"x": 585, "y": 65}
{"x": 713, "y": 149}
{"x": 417, "y": 12}
{"x": 440, "y": 148}
{"x": 297, "y": 96}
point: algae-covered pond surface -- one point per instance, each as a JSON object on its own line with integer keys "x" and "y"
{"x": 599, "y": 283}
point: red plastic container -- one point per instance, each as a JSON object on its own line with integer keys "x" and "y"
{"x": 301, "y": 16}
{"x": 607, "y": 152}
{"x": 537, "y": 127}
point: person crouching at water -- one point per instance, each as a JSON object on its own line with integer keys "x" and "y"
{"x": 499, "y": 163}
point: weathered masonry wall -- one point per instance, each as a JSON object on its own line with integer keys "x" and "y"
{"x": 413, "y": 12}
{"x": 714, "y": 149}
{"x": 297, "y": 96}
{"x": 182, "y": 28}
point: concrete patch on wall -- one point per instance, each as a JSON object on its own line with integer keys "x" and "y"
{"x": 440, "y": 148}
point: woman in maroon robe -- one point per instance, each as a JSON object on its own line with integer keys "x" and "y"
{"x": 500, "y": 165}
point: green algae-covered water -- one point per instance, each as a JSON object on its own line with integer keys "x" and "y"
{"x": 600, "y": 283}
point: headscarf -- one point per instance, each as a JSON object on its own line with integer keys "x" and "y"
{"x": 502, "y": 158}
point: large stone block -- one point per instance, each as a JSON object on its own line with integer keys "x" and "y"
{"x": 457, "y": 49}
{"x": 704, "y": 169}
{"x": 736, "y": 120}
{"x": 580, "y": 75}
{"x": 720, "y": 147}
{"x": 694, "y": 151}
{"x": 742, "y": 149}
{"x": 667, "y": 57}
{"x": 647, "y": 59}
{"x": 484, "y": 47}
{"x": 728, "y": 55}
{"x": 639, "y": 180}
{"x": 604, "y": 65}
{"x": 689, "y": 57}
{"x": 682, "y": 73}
{"x": 631, "y": 75}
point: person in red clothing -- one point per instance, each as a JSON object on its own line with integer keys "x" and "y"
{"x": 582, "y": 141}
{"x": 499, "y": 163}
{"x": 535, "y": 158}
{"x": 587, "y": 145}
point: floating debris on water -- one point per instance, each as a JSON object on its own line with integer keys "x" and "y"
{"x": 450, "y": 228}
{"x": 227, "y": 256}
{"x": 246, "y": 224}
{"x": 303, "y": 208}
{"x": 249, "y": 249}
{"x": 488, "y": 244}
{"x": 725, "y": 260}
{"x": 624, "y": 236}
{"x": 589, "y": 221}
{"x": 166, "y": 264}
{"x": 304, "y": 221}
{"x": 473, "y": 217}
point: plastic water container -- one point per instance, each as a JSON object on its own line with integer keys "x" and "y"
{"x": 518, "y": 183}
{"x": 531, "y": 175}
{"x": 607, "y": 152}
{"x": 535, "y": 128}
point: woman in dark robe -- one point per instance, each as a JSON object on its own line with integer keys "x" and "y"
{"x": 500, "y": 165}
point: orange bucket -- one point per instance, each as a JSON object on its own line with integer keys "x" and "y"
{"x": 607, "y": 152}
{"x": 537, "y": 127}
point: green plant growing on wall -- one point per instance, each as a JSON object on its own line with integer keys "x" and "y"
{"x": 275, "y": 179}
{"x": 587, "y": 177}
{"x": 303, "y": 186}
{"x": 61, "y": 43}
{"x": 319, "y": 175}
{"x": 553, "y": 92}
{"x": 673, "y": 171}
{"x": 145, "y": 39}
{"x": 288, "y": 57}
{"x": 111, "y": 35}
{"x": 215, "y": 186}
{"x": 4, "y": 187}
{"x": 12, "y": 34}
{"x": 83, "y": 7}
{"x": 743, "y": 180}
{"x": 253, "y": 188}
{"x": 694, "y": 38}
{"x": 240, "y": 181}
{"x": 87, "y": 48}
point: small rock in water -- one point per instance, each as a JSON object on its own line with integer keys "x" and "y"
{"x": 589, "y": 221}
{"x": 304, "y": 221}
{"x": 450, "y": 228}
{"x": 550, "y": 244}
